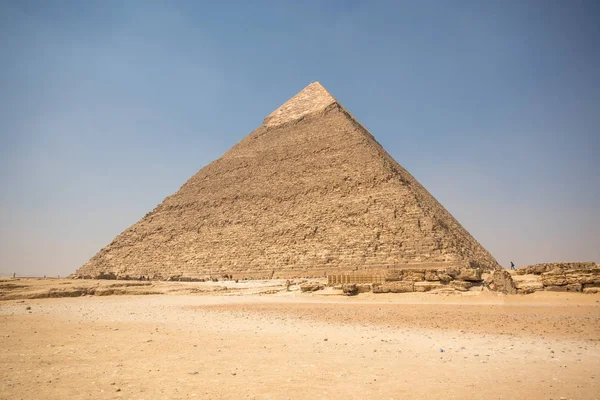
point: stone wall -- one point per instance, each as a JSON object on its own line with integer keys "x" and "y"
{"x": 338, "y": 279}
{"x": 451, "y": 279}
{"x": 538, "y": 269}
{"x": 559, "y": 277}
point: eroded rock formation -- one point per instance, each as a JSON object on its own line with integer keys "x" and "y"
{"x": 559, "y": 277}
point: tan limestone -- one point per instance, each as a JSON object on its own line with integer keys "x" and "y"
{"x": 309, "y": 193}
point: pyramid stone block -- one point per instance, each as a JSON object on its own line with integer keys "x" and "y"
{"x": 310, "y": 192}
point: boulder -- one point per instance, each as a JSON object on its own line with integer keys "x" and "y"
{"x": 575, "y": 287}
{"x": 591, "y": 289}
{"x": 444, "y": 276}
{"x": 364, "y": 287}
{"x": 447, "y": 274}
{"x": 470, "y": 274}
{"x": 501, "y": 281}
{"x": 311, "y": 287}
{"x": 394, "y": 275}
{"x": 431, "y": 275}
{"x": 350, "y": 289}
{"x": 380, "y": 288}
{"x": 462, "y": 286}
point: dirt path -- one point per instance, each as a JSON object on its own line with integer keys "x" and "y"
{"x": 297, "y": 347}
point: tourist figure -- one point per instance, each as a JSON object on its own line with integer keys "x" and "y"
{"x": 512, "y": 265}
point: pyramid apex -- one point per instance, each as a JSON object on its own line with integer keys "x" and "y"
{"x": 312, "y": 98}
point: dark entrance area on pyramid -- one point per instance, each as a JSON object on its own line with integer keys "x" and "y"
{"x": 308, "y": 193}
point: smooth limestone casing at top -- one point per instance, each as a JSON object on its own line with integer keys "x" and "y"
{"x": 310, "y": 192}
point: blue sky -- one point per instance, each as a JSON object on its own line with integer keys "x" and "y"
{"x": 107, "y": 107}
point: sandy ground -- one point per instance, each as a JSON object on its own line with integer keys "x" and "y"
{"x": 290, "y": 345}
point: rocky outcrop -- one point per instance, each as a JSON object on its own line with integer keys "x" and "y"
{"x": 558, "y": 277}
{"x": 539, "y": 269}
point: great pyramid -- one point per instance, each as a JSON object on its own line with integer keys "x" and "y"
{"x": 310, "y": 192}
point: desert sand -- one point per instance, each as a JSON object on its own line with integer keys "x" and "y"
{"x": 258, "y": 340}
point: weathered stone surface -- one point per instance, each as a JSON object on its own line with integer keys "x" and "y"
{"x": 448, "y": 274}
{"x": 558, "y": 277}
{"x": 555, "y": 288}
{"x": 394, "y": 275}
{"x": 310, "y": 192}
{"x": 591, "y": 289}
{"x": 428, "y": 286}
{"x": 106, "y": 275}
{"x": 350, "y": 289}
{"x": 501, "y": 281}
{"x": 478, "y": 287}
{"x": 526, "y": 284}
{"x": 364, "y": 288}
{"x": 311, "y": 287}
{"x": 553, "y": 279}
{"x": 555, "y": 271}
{"x": 444, "y": 276}
{"x": 584, "y": 277}
{"x": 408, "y": 274}
{"x": 431, "y": 276}
{"x": 462, "y": 286}
{"x": 470, "y": 274}
{"x": 539, "y": 269}
{"x": 311, "y": 99}
{"x": 575, "y": 287}
{"x": 414, "y": 275}
{"x": 394, "y": 287}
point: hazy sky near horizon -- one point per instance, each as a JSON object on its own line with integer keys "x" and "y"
{"x": 107, "y": 107}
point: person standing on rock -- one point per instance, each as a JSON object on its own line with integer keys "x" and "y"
{"x": 512, "y": 265}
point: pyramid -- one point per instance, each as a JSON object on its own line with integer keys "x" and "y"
{"x": 308, "y": 193}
